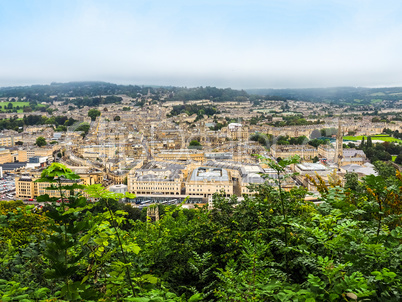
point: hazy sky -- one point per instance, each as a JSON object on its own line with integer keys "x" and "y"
{"x": 238, "y": 44}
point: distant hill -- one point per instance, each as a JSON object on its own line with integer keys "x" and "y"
{"x": 338, "y": 95}
{"x": 71, "y": 89}
{"x": 42, "y": 93}
{"x": 353, "y": 96}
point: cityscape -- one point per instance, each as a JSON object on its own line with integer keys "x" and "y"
{"x": 196, "y": 151}
{"x": 154, "y": 143}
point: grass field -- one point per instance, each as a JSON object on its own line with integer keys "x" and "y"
{"x": 15, "y": 104}
{"x": 378, "y": 137}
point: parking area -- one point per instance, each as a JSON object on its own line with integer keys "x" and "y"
{"x": 7, "y": 187}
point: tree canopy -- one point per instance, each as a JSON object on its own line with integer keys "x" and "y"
{"x": 93, "y": 114}
{"x": 195, "y": 143}
{"x": 275, "y": 246}
{"x": 41, "y": 141}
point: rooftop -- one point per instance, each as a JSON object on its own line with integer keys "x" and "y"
{"x": 366, "y": 169}
{"x": 13, "y": 166}
{"x": 312, "y": 167}
{"x": 209, "y": 174}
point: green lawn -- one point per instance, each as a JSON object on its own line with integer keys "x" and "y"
{"x": 379, "y": 137}
{"x": 353, "y": 138}
{"x": 15, "y": 104}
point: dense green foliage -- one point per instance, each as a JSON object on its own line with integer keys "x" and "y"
{"x": 94, "y": 102}
{"x": 207, "y": 93}
{"x": 273, "y": 247}
{"x": 316, "y": 142}
{"x": 41, "y": 141}
{"x": 194, "y": 143}
{"x": 398, "y": 159}
{"x": 200, "y": 110}
{"x": 93, "y": 114}
{"x": 269, "y": 139}
{"x": 395, "y": 133}
{"x": 89, "y": 93}
{"x": 42, "y": 93}
{"x": 17, "y": 124}
{"x": 295, "y": 120}
{"x": 379, "y": 151}
{"x": 83, "y": 127}
{"x": 262, "y": 138}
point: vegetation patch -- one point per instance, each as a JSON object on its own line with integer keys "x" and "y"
{"x": 5, "y": 106}
{"x": 379, "y": 137}
{"x": 275, "y": 246}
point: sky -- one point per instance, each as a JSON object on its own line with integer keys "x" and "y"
{"x": 237, "y": 44}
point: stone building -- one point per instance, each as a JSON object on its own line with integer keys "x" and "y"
{"x": 156, "y": 178}
{"x": 237, "y": 131}
{"x": 9, "y": 140}
{"x": 27, "y": 188}
{"x": 205, "y": 181}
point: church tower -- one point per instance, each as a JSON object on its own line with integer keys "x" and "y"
{"x": 202, "y": 132}
{"x": 339, "y": 145}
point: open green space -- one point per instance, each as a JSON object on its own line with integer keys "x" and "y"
{"x": 15, "y": 104}
{"x": 4, "y": 106}
{"x": 379, "y": 137}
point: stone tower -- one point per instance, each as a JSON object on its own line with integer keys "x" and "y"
{"x": 339, "y": 145}
{"x": 202, "y": 132}
{"x": 153, "y": 213}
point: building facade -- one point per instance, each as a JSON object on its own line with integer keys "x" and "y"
{"x": 205, "y": 181}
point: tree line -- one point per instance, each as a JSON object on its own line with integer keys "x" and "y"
{"x": 14, "y": 123}
{"x": 207, "y": 93}
{"x": 269, "y": 139}
{"x": 200, "y": 110}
